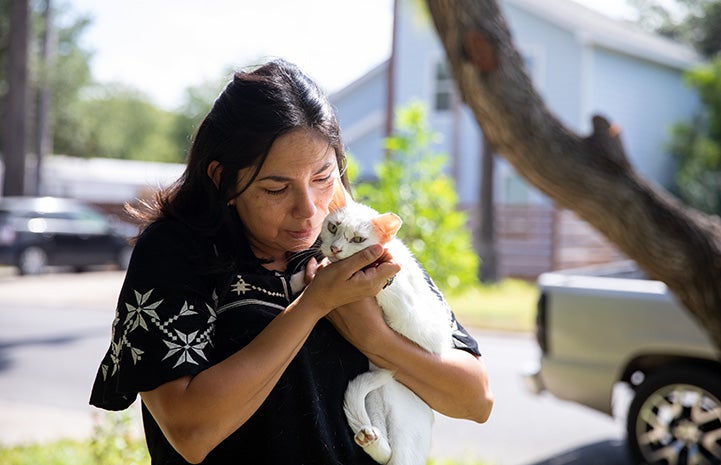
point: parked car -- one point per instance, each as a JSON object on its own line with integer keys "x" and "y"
{"x": 37, "y": 232}
{"x": 607, "y": 332}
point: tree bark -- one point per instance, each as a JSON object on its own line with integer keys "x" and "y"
{"x": 589, "y": 175}
{"x": 14, "y": 126}
{"x": 487, "y": 233}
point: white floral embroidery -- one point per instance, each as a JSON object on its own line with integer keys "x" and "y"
{"x": 189, "y": 343}
{"x": 135, "y": 313}
{"x": 241, "y": 286}
{"x": 142, "y": 314}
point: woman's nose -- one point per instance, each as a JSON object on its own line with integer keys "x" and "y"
{"x": 305, "y": 205}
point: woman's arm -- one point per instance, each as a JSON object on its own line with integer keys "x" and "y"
{"x": 454, "y": 383}
{"x": 196, "y": 413}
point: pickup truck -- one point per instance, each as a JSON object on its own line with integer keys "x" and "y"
{"x": 607, "y": 332}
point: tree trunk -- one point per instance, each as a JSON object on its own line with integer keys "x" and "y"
{"x": 589, "y": 175}
{"x": 487, "y": 249}
{"x": 14, "y": 126}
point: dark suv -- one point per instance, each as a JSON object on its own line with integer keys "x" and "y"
{"x": 36, "y": 232}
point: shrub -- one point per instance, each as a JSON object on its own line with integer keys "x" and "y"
{"x": 412, "y": 183}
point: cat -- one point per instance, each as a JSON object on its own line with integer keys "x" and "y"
{"x": 390, "y": 422}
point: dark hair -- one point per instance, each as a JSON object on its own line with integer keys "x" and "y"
{"x": 253, "y": 110}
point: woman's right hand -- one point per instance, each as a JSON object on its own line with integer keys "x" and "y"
{"x": 348, "y": 280}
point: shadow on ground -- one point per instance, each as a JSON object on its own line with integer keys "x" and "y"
{"x": 610, "y": 452}
{"x": 7, "y": 347}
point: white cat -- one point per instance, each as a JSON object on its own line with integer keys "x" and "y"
{"x": 390, "y": 422}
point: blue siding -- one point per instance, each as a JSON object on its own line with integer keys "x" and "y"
{"x": 560, "y": 82}
{"x": 644, "y": 99}
{"x": 575, "y": 76}
{"x": 361, "y": 115}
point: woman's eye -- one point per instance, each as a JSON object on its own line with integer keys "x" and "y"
{"x": 358, "y": 239}
{"x": 332, "y": 228}
{"x": 276, "y": 191}
{"x": 325, "y": 180}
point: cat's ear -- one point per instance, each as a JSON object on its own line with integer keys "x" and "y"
{"x": 387, "y": 226}
{"x": 339, "y": 196}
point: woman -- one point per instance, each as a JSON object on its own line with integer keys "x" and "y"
{"x": 231, "y": 366}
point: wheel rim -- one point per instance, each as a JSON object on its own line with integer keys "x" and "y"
{"x": 32, "y": 260}
{"x": 680, "y": 424}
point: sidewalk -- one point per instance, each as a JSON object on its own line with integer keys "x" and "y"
{"x": 51, "y": 288}
{"x": 23, "y": 422}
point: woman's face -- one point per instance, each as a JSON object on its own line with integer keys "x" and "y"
{"x": 284, "y": 207}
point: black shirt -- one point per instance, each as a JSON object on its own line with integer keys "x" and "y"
{"x": 175, "y": 319}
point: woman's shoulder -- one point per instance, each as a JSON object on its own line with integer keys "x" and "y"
{"x": 169, "y": 241}
{"x": 165, "y": 229}
{"x": 169, "y": 235}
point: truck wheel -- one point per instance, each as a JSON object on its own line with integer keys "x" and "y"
{"x": 675, "y": 418}
{"x": 32, "y": 260}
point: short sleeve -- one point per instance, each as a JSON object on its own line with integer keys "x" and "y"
{"x": 462, "y": 339}
{"x": 165, "y": 319}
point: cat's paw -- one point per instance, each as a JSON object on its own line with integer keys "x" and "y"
{"x": 367, "y": 436}
{"x": 374, "y": 444}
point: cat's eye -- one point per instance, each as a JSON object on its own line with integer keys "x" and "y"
{"x": 332, "y": 228}
{"x": 358, "y": 239}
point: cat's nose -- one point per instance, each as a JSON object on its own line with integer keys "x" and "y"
{"x": 335, "y": 249}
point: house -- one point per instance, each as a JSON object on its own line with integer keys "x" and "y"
{"x": 582, "y": 63}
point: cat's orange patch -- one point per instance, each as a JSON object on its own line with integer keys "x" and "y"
{"x": 387, "y": 226}
{"x": 339, "y": 196}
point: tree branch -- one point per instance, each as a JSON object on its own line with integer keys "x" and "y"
{"x": 589, "y": 175}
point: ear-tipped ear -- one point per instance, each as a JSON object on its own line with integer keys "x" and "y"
{"x": 214, "y": 171}
{"x": 387, "y": 225}
{"x": 339, "y": 196}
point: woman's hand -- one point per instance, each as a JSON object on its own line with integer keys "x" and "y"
{"x": 361, "y": 275}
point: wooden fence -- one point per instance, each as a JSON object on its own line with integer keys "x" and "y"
{"x": 532, "y": 239}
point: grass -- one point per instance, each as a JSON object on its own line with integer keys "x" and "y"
{"x": 509, "y": 305}
{"x": 113, "y": 442}
{"x": 506, "y": 306}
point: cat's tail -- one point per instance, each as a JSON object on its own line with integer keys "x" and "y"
{"x": 355, "y": 396}
{"x": 370, "y": 437}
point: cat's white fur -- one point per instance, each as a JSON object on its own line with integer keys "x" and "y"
{"x": 390, "y": 422}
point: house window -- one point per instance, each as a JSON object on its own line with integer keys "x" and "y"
{"x": 443, "y": 97}
{"x": 516, "y": 190}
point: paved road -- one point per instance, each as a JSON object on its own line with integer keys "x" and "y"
{"x": 55, "y": 328}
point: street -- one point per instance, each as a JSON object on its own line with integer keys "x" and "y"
{"x": 55, "y": 328}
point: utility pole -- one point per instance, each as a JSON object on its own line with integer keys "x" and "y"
{"x": 14, "y": 127}
{"x": 43, "y": 126}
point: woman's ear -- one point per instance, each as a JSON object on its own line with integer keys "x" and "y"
{"x": 214, "y": 171}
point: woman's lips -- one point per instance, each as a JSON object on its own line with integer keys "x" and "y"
{"x": 303, "y": 234}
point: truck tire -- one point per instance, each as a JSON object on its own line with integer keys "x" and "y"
{"x": 675, "y": 418}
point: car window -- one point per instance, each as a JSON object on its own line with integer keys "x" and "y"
{"x": 90, "y": 222}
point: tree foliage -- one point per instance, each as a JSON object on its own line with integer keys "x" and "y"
{"x": 412, "y": 183}
{"x": 117, "y": 121}
{"x": 697, "y": 145}
{"x": 694, "y": 22}
{"x": 91, "y": 119}
{"x": 197, "y": 102}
